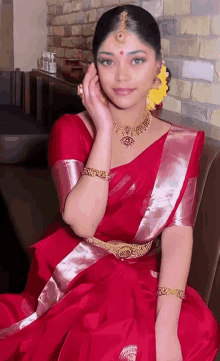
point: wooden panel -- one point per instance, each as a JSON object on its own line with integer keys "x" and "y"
{"x": 27, "y": 93}
{"x": 62, "y": 100}
{"x": 18, "y": 87}
{"x": 39, "y": 100}
{"x": 5, "y": 87}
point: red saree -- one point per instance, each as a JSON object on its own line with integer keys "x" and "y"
{"x": 82, "y": 303}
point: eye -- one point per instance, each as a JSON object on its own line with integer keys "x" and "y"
{"x": 107, "y": 62}
{"x": 102, "y": 61}
{"x": 142, "y": 60}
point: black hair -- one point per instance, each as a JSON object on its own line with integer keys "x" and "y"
{"x": 139, "y": 22}
{"x": 168, "y": 78}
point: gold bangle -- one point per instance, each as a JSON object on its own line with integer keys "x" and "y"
{"x": 94, "y": 172}
{"x": 170, "y": 291}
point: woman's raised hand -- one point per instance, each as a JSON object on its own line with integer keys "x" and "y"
{"x": 91, "y": 100}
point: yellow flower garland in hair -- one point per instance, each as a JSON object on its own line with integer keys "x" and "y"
{"x": 155, "y": 96}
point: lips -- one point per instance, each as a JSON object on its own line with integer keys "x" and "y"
{"x": 124, "y": 91}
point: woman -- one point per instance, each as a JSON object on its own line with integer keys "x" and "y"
{"x": 95, "y": 288}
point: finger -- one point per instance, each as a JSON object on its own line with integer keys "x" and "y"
{"x": 82, "y": 99}
{"x": 93, "y": 72}
{"x": 86, "y": 82}
{"x": 94, "y": 86}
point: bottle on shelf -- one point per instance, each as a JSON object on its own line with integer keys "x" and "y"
{"x": 52, "y": 64}
{"x": 40, "y": 62}
{"x": 45, "y": 61}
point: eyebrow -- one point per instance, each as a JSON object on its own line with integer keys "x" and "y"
{"x": 129, "y": 53}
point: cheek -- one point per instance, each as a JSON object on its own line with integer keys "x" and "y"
{"x": 106, "y": 79}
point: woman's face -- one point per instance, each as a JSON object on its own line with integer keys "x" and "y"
{"x": 131, "y": 65}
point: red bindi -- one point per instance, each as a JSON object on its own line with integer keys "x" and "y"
{"x": 121, "y": 52}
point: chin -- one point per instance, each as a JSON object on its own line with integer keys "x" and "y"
{"x": 123, "y": 106}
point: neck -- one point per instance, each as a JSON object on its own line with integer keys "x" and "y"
{"x": 131, "y": 117}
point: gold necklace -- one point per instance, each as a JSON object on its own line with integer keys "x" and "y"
{"x": 127, "y": 140}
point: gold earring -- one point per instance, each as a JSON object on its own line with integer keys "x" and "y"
{"x": 157, "y": 82}
{"x": 104, "y": 99}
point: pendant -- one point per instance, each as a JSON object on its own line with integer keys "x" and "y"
{"x": 127, "y": 141}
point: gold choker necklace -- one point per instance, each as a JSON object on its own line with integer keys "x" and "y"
{"x": 127, "y": 140}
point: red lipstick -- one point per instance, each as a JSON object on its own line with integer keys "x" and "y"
{"x": 123, "y": 91}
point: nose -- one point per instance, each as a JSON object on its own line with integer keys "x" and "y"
{"x": 122, "y": 73}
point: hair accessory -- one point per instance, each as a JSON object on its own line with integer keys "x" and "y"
{"x": 170, "y": 291}
{"x": 94, "y": 172}
{"x": 121, "y": 34}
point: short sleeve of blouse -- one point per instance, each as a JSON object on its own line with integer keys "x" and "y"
{"x": 65, "y": 155}
{"x": 65, "y": 140}
{"x": 184, "y": 212}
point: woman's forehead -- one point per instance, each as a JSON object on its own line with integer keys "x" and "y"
{"x": 132, "y": 44}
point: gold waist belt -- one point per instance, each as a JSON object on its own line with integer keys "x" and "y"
{"x": 121, "y": 249}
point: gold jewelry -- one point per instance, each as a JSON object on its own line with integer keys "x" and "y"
{"x": 170, "y": 291}
{"x": 80, "y": 90}
{"x": 128, "y": 140}
{"x": 121, "y": 249}
{"x": 104, "y": 99}
{"x": 121, "y": 35}
{"x": 94, "y": 172}
{"x": 80, "y": 94}
{"x": 157, "y": 81}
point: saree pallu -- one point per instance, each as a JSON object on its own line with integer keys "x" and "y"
{"x": 82, "y": 303}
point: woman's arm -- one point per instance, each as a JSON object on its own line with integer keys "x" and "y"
{"x": 86, "y": 203}
{"x": 176, "y": 246}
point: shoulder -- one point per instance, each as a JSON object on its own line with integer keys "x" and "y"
{"x": 177, "y": 131}
{"x": 65, "y": 140}
{"x": 66, "y": 120}
{"x": 66, "y": 126}
{"x": 65, "y": 129}
{"x": 159, "y": 125}
{"x": 88, "y": 122}
{"x": 188, "y": 130}
{"x": 74, "y": 122}
{"x": 189, "y": 133}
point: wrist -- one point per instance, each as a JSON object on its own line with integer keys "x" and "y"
{"x": 108, "y": 129}
{"x": 165, "y": 327}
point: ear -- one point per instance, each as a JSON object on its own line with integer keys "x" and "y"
{"x": 159, "y": 65}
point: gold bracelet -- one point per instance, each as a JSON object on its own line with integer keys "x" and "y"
{"x": 94, "y": 172}
{"x": 170, "y": 291}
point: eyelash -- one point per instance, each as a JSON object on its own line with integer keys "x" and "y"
{"x": 103, "y": 60}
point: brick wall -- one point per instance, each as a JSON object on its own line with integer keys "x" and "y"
{"x": 190, "y": 32}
